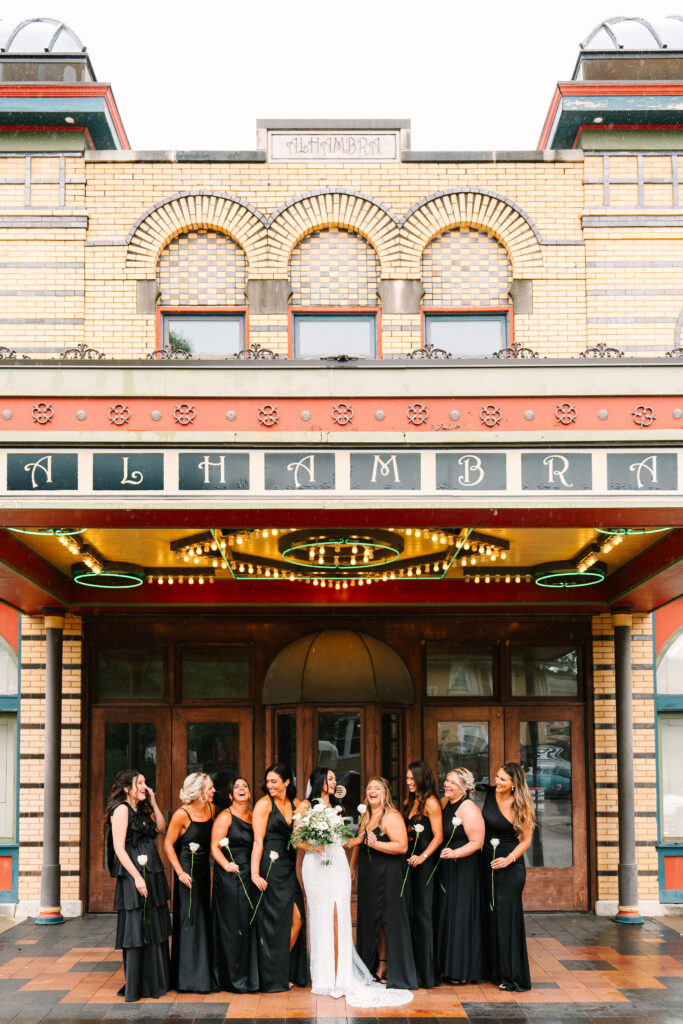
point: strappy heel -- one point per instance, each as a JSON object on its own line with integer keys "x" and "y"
{"x": 383, "y": 978}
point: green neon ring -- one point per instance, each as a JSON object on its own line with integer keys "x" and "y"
{"x": 48, "y": 531}
{"x": 631, "y": 531}
{"x": 134, "y": 580}
{"x": 583, "y": 579}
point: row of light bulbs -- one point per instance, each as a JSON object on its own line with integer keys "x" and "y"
{"x": 605, "y": 546}
{"x": 74, "y": 548}
{"x": 488, "y": 578}
{"x": 179, "y": 579}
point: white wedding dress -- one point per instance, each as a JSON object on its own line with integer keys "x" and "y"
{"x": 328, "y": 885}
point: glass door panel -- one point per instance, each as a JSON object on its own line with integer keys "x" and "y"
{"x": 339, "y": 748}
{"x": 216, "y": 741}
{"x": 121, "y": 738}
{"x": 465, "y": 738}
{"x": 549, "y": 743}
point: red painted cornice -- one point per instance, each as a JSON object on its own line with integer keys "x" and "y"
{"x": 61, "y": 89}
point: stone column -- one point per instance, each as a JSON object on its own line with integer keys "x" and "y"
{"x": 629, "y": 907}
{"x": 50, "y": 872}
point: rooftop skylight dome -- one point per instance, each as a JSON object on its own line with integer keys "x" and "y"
{"x": 636, "y": 34}
{"x": 39, "y": 35}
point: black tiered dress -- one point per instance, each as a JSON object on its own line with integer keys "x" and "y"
{"x": 277, "y": 966}
{"x": 191, "y": 953}
{"x": 380, "y": 877}
{"x": 459, "y": 929}
{"x": 421, "y": 902}
{"x": 234, "y": 943}
{"x": 143, "y": 926}
{"x": 505, "y": 932}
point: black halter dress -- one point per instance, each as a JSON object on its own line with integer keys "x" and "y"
{"x": 505, "y": 932}
{"x": 234, "y": 942}
{"x": 459, "y": 929}
{"x": 380, "y": 877}
{"x": 191, "y": 952}
{"x": 421, "y": 901}
{"x": 143, "y": 925}
{"x": 277, "y": 966}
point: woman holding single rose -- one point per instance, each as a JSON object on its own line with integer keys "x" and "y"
{"x": 422, "y": 815}
{"x": 234, "y": 897}
{"x": 187, "y": 846}
{"x": 510, "y": 821}
{"x": 143, "y": 925}
{"x": 458, "y": 878}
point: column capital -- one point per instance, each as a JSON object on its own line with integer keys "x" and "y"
{"x": 54, "y": 618}
{"x": 622, "y": 617}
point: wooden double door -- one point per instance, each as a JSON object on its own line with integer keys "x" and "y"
{"x": 165, "y": 744}
{"x": 550, "y": 742}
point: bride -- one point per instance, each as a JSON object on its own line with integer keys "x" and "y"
{"x": 336, "y": 968}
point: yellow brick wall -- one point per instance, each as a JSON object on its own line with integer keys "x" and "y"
{"x": 31, "y": 758}
{"x": 607, "y": 820}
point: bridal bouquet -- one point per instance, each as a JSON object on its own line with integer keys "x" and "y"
{"x": 320, "y": 826}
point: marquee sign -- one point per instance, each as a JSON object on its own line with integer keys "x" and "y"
{"x": 455, "y": 473}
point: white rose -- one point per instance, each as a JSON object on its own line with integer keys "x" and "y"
{"x": 362, "y": 808}
{"x": 274, "y": 855}
{"x": 495, "y": 843}
{"x": 193, "y": 847}
{"x": 419, "y": 828}
{"x": 457, "y": 821}
{"x": 142, "y": 860}
{"x": 224, "y": 842}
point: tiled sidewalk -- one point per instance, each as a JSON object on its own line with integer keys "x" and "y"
{"x": 583, "y": 969}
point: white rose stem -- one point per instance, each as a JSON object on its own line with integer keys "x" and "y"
{"x": 456, "y": 821}
{"x": 226, "y": 843}
{"x": 494, "y": 844}
{"x": 142, "y": 861}
{"x": 193, "y": 849}
{"x": 405, "y": 878}
{"x": 273, "y": 857}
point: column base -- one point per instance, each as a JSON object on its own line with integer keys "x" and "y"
{"x": 628, "y": 917}
{"x": 49, "y": 917}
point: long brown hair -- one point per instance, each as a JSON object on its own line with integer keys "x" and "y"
{"x": 425, "y": 786}
{"x": 123, "y": 780}
{"x": 523, "y": 815}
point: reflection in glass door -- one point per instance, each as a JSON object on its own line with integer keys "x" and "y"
{"x": 216, "y": 741}
{"x": 339, "y": 748}
{"x": 467, "y": 738}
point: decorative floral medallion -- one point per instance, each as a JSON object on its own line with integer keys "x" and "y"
{"x": 42, "y": 412}
{"x": 603, "y": 414}
{"x": 184, "y": 414}
{"x": 7, "y": 414}
{"x": 155, "y": 415}
{"x": 119, "y": 414}
{"x": 529, "y": 415}
{"x": 643, "y": 415}
{"x": 231, "y": 415}
{"x": 490, "y": 415}
{"x": 81, "y": 414}
{"x": 305, "y": 415}
{"x": 565, "y": 413}
{"x": 454, "y": 415}
{"x": 342, "y": 414}
{"x": 268, "y": 415}
{"x": 417, "y": 414}
{"x": 677, "y": 414}
{"x": 380, "y": 414}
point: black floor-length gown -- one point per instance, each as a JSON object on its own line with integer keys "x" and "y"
{"x": 191, "y": 952}
{"x": 380, "y": 877}
{"x": 234, "y": 942}
{"x": 422, "y": 902}
{"x": 505, "y": 933}
{"x": 277, "y": 966}
{"x": 460, "y": 925}
{"x": 143, "y": 926}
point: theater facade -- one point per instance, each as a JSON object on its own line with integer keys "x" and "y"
{"x": 338, "y": 452}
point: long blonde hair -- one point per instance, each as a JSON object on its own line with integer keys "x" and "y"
{"x": 387, "y": 802}
{"x": 523, "y": 814}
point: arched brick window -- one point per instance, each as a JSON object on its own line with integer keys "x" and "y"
{"x": 334, "y": 267}
{"x": 466, "y": 268}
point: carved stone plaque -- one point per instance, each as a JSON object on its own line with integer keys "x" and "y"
{"x": 360, "y": 147}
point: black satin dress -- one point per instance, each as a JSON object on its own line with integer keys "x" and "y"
{"x": 234, "y": 941}
{"x": 143, "y": 926}
{"x": 273, "y": 922}
{"x": 459, "y": 920}
{"x": 380, "y": 877}
{"x": 504, "y": 927}
{"x": 421, "y": 902}
{"x": 191, "y": 952}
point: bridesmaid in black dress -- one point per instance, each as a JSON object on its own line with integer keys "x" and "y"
{"x": 279, "y": 922}
{"x": 187, "y": 846}
{"x": 509, "y": 818}
{"x": 422, "y": 808}
{"x": 460, "y": 926}
{"x": 383, "y": 937}
{"x": 143, "y": 924}
{"x": 234, "y": 897}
